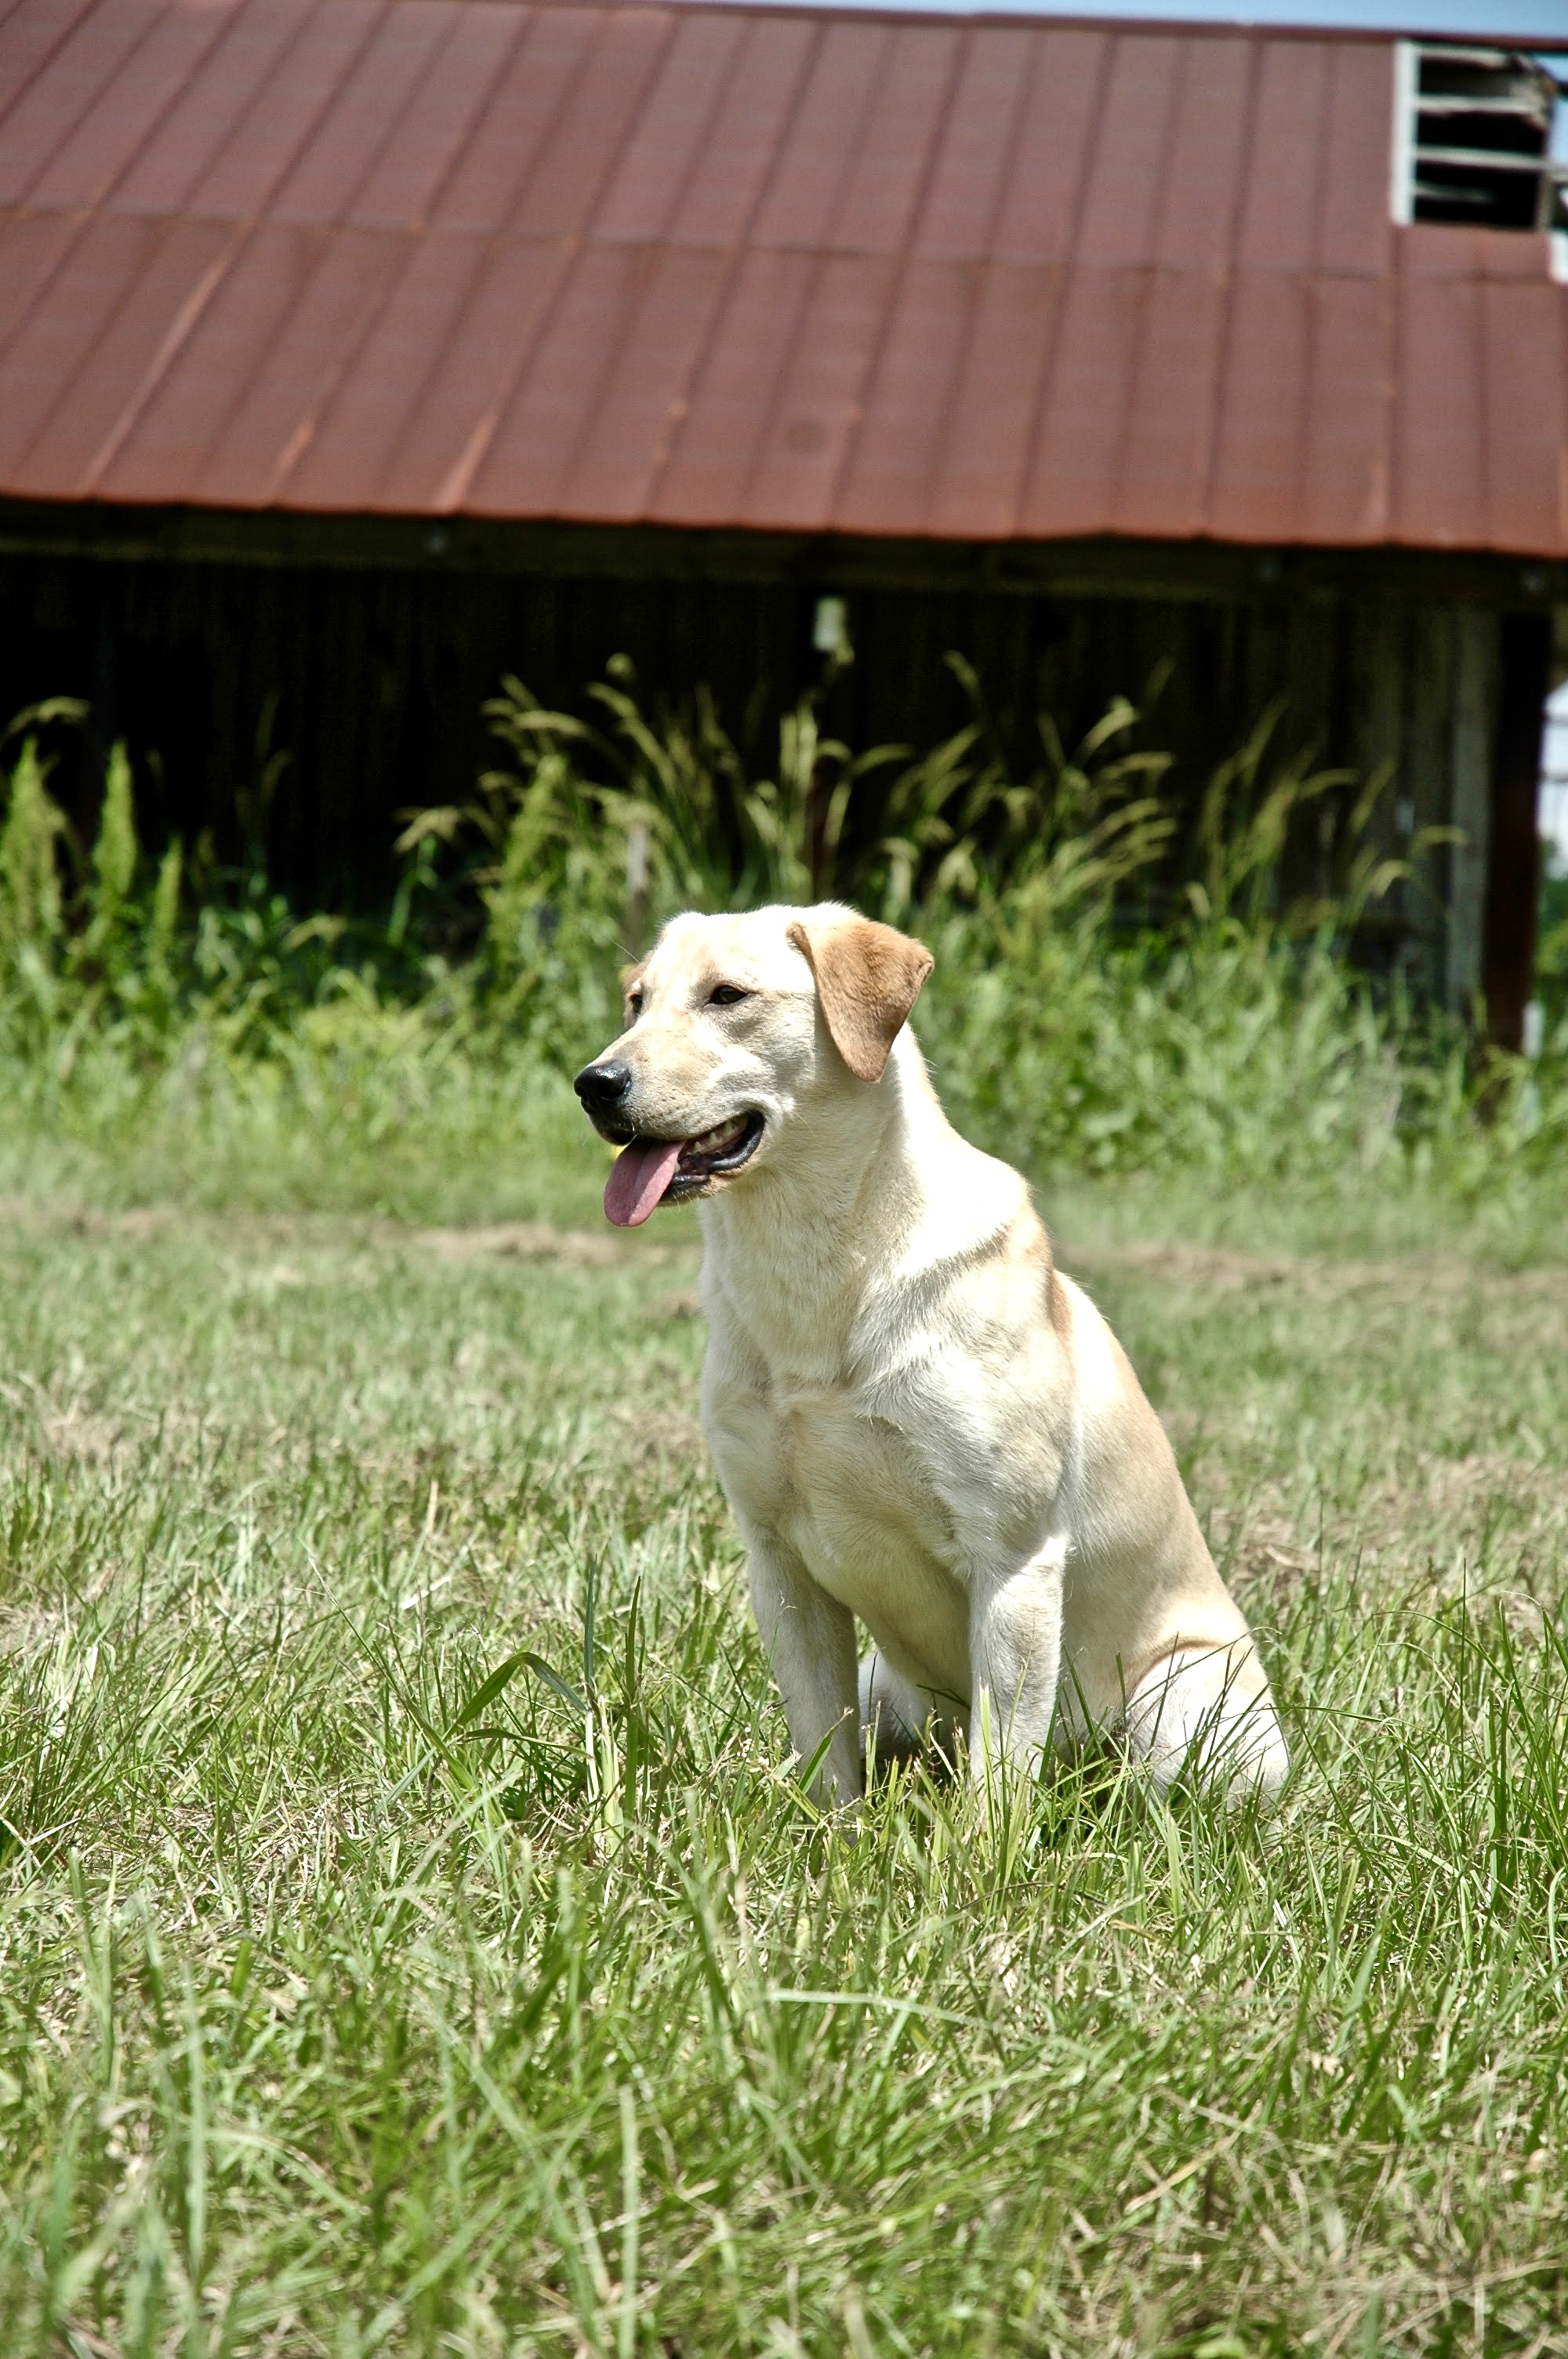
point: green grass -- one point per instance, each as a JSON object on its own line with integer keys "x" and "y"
{"x": 355, "y": 1998}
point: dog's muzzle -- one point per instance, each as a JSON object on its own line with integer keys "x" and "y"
{"x": 603, "y": 1090}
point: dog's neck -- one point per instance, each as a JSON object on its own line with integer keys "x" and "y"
{"x": 844, "y": 1208}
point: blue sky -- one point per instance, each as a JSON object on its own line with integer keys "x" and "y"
{"x": 1536, "y": 22}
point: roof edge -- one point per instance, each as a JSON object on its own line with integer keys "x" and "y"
{"x": 1413, "y": 23}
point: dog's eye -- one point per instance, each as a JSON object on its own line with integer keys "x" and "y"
{"x": 635, "y": 1004}
{"x": 726, "y": 995}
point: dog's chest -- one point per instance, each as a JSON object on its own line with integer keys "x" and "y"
{"x": 847, "y": 1490}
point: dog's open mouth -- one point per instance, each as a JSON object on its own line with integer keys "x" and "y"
{"x": 650, "y": 1171}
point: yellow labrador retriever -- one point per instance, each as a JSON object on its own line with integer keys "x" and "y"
{"x": 916, "y": 1418}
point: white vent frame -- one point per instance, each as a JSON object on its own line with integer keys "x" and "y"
{"x": 1407, "y": 148}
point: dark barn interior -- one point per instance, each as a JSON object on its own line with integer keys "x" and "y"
{"x": 346, "y": 661}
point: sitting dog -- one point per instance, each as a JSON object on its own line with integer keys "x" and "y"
{"x": 917, "y": 1419}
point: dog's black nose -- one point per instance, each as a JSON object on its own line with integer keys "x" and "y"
{"x": 602, "y": 1087}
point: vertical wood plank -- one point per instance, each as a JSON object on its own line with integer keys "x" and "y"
{"x": 1469, "y": 806}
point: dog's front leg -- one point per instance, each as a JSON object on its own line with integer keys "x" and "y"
{"x": 1015, "y": 1657}
{"x": 810, "y": 1639}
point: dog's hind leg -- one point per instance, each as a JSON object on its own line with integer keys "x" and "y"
{"x": 1211, "y": 1705}
{"x": 904, "y": 1721}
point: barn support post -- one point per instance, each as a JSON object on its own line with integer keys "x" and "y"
{"x": 1513, "y": 867}
{"x": 1470, "y": 751}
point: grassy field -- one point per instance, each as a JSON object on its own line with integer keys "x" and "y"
{"x": 412, "y": 1942}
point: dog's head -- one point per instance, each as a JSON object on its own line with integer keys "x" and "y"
{"x": 735, "y": 1026}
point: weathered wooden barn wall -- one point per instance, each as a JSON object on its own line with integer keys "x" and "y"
{"x": 364, "y": 658}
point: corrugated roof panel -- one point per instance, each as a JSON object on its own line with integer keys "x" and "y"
{"x": 387, "y": 83}
{"x": 1076, "y": 462}
{"x": 530, "y": 461}
{"x": 32, "y": 247}
{"x": 897, "y": 446}
{"x": 29, "y": 37}
{"x": 1355, "y": 227}
{"x": 245, "y": 174}
{"x": 293, "y": 311}
{"x": 798, "y": 270}
{"x": 991, "y": 422}
{"x": 1347, "y": 456}
{"x": 240, "y": 72}
{"x": 894, "y": 152}
{"x": 1438, "y": 453}
{"x": 121, "y": 306}
{"x": 972, "y": 160}
{"x": 735, "y": 391}
{"x": 40, "y": 120}
{"x": 1053, "y": 146}
{"x": 671, "y": 135}
{"x": 821, "y": 392}
{"x": 459, "y": 408}
{"x": 228, "y": 342}
{"x": 369, "y": 415}
{"x": 1254, "y": 490}
{"x": 1175, "y": 396}
{"x": 529, "y": 93}
{"x": 1522, "y": 337}
{"x": 741, "y": 141}
{"x": 824, "y": 132}
{"x": 633, "y": 428}
{"x": 404, "y": 186}
{"x": 1277, "y": 228}
{"x": 1124, "y": 195}
{"x": 577, "y": 157}
{"x": 1202, "y": 169}
{"x": 123, "y": 117}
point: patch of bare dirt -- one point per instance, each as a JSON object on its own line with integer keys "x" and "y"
{"x": 661, "y": 1433}
{"x": 523, "y": 1241}
{"x": 1222, "y": 1266}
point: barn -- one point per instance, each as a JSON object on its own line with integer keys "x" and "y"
{"x": 353, "y": 353}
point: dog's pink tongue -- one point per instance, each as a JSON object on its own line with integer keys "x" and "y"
{"x": 638, "y": 1178}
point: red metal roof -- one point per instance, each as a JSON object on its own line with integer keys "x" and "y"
{"x": 795, "y": 269}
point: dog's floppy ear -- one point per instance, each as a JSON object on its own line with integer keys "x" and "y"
{"x": 868, "y": 979}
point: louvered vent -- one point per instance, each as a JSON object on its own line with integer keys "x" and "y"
{"x": 1475, "y": 140}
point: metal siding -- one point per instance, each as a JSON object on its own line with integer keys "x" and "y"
{"x": 605, "y": 259}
